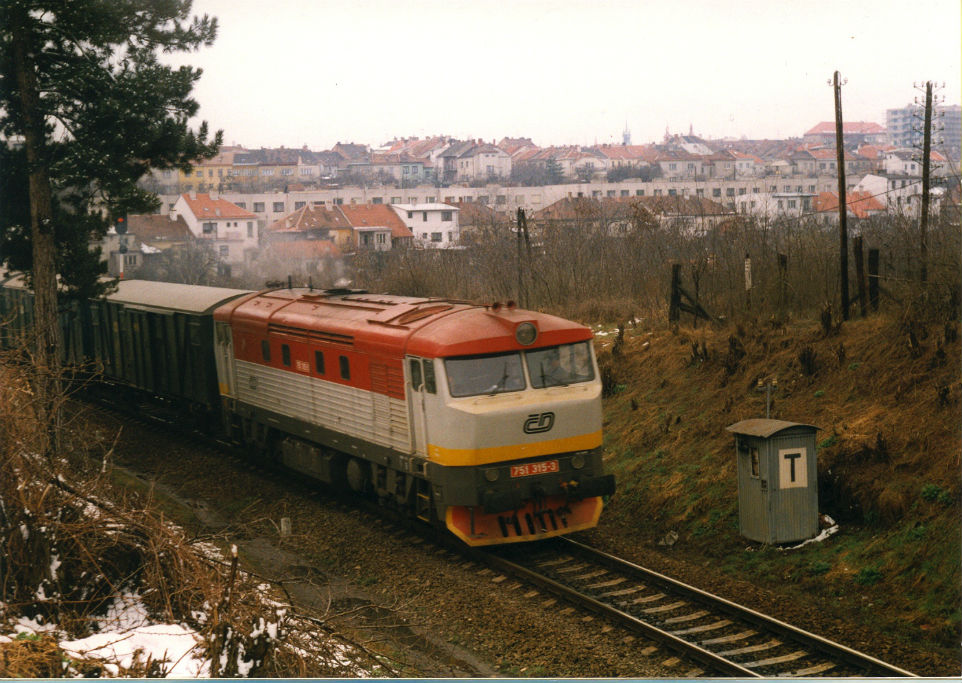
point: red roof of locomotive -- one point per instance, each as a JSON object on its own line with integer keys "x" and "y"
{"x": 394, "y": 325}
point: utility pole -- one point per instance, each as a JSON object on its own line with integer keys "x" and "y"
{"x": 842, "y": 204}
{"x": 926, "y": 155}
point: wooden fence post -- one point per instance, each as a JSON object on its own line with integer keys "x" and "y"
{"x": 860, "y": 273}
{"x": 674, "y": 305}
{"x": 873, "y": 278}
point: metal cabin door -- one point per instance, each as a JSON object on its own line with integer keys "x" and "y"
{"x": 414, "y": 382}
{"x": 793, "y": 515}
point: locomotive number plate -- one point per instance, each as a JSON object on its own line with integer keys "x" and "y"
{"x": 546, "y": 467}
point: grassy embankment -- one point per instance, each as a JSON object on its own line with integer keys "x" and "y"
{"x": 886, "y": 396}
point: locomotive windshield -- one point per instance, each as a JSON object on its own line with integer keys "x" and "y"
{"x": 553, "y": 366}
{"x": 492, "y": 374}
{"x": 560, "y": 365}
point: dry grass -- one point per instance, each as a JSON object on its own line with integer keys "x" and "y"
{"x": 70, "y": 543}
{"x": 885, "y": 393}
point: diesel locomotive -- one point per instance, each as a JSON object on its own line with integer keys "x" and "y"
{"x": 483, "y": 419}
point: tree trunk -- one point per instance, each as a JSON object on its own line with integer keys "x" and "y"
{"x": 44, "y": 269}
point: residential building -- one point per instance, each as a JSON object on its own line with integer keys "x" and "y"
{"x": 230, "y": 230}
{"x": 391, "y": 232}
{"x": 905, "y": 128}
{"x": 433, "y": 225}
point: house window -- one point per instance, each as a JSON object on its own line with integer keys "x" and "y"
{"x": 224, "y": 251}
{"x": 410, "y": 214}
{"x": 611, "y": 193}
{"x": 624, "y": 193}
{"x": 672, "y": 192}
{"x": 287, "y": 171}
{"x": 482, "y": 199}
{"x": 267, "y": 171}
{"x": 242, "y": 205}
{"x": 445, "y": 215}
{"x": 319, "y": 362}
{"x": 258, "y": 207}
{"x": 429, "y": 200}
{"x": 395, "y": 200}
{"x": 278, "y": 207}
{"x": 741, "y": 190}
{"x": 699, "y": 192}
{"x": 377, "y": 200}
{"x": 639, "y": 193}
{"x": 657, "y": 193}
{"x": 381, "y": 238}
{"x": 345, "y": 367}
{"x": 773, "y": 189}
{"x": 501, "y": 199}
{"x": 716, "y": 192}
{"x": 791, "y": 203}
{"x": 729, "y": 191}
{"x": 199, "y": 174}
{"x": 307, "y": 171}
{"x": 424, "y": 216}
{"x": 250, "y": 229}
{"x": 286, "y": 355}
{"x": 266, "y": 350}
{"x": 209, "y": 228}
{"x": 435, "y": 237}
{"x": 299, "y": 205}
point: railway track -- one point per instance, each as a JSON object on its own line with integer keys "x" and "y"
{"x": 723, "y": 637}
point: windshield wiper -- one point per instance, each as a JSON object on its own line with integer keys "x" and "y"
{"x": 497, "y": 388}
{"x": 555, "y": 382}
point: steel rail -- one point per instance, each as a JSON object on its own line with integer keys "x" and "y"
{"x": 836, "y": 651}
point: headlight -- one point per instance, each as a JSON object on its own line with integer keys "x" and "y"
{"x": 491, "y": 475}
{"x": 578, "y": 460}
{"x": 526, "y": 333}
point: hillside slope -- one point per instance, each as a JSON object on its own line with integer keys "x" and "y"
{"x": 886, "y": 396}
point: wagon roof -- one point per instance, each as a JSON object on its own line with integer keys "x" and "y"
{"x": 172, "y": 296}
{"x": 764, "y": 428}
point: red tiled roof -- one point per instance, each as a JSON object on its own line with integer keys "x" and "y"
{"x": 158, "y": 228}
{"x": 368, "y": 215}
{"x": 202, "y": 206}
{"x": 860, "y": 204}
{"x": 310, "y": 217}
{"x": 849, "y": 127}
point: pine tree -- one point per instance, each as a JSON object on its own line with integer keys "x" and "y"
{"x": 86, "y": 109}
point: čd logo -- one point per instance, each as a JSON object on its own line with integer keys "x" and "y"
{"x": 537, "y": 423}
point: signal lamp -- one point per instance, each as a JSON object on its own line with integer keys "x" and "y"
{"x": 526, "y": 333}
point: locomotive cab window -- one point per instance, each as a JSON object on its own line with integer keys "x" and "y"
{"x": 415, "y": 367}
{"x": 559, "y": 366}
{"x": 430, "y": 384}
{"x": 345, "y": 367}
{"x": 319, "y": 362}
{"x": 286, "y": 355}
{"x": 266, "y": 351}
{"x": 494, "y": 373}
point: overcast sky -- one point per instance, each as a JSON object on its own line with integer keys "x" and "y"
{"x": 315, "y": 72}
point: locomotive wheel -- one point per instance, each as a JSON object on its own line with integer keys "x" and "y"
{"x": 358, "y": 476}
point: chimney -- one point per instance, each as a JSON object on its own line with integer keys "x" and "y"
{"x": 214, "y": 195}
{"x": 217, "y": 211}
{"x": 193, "y": 196}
